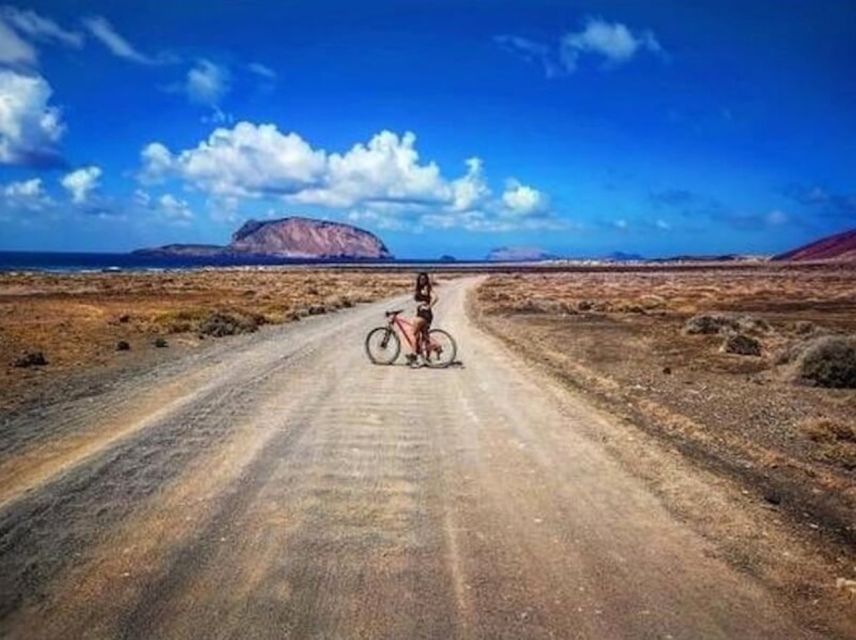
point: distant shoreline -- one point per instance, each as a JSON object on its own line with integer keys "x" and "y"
{"x": 82, "y": 263}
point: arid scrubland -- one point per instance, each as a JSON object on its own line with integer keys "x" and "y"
{"x": 748, "y": 370}
{"x": 53, "y": 326}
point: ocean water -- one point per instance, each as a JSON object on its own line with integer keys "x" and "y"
{"x": 84, "y": 262}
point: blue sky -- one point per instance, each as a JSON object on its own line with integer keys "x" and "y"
{"x": 445, "y": 127}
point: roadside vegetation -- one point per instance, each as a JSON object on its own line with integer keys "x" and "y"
{"x": 749, "y": 370}
{"x": 56, "y": 325}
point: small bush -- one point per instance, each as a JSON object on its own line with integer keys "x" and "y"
{"x": 221, "y": 323}
{"x": 826, "y": 430}
{"x": 828, "y": 361}
{"x": 742, "y": 345}
{"x": 123, "y": 345}
{"x": 710, "y": 324}
{"x": 722, "y": 323}
{"x": 753, "y": 324}
{"x": 804, "y": 328}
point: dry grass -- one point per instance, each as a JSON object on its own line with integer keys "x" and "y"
{"x": 77, "y": 321}
{"x": 826, "y": 430}
{"x": 768, "y": 290}
{"x": 836, "y": 439}
{"x": 649, "y": 344}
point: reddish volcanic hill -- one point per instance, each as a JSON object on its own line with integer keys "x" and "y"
{"x": 840, "y": 247}
{"x": 306, "y": 238}
{"x": 295, "y": 237}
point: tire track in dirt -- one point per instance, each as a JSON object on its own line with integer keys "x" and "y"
{"x": 346, "y": 532}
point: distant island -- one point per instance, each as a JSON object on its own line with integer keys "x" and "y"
{"x": 621, "y": 256}
{"x": 294, "y": 237}
{"x": 519, "y": 254}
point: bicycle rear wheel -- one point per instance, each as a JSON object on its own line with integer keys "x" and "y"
{"x": 442, "y": 349}
{"x": 382, "y": 345}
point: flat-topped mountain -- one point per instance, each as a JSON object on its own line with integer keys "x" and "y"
{"x": 841, "y": 246}
{"x": 293, "y": 237}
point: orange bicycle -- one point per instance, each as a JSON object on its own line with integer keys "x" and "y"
{"x": 383, "y": 344}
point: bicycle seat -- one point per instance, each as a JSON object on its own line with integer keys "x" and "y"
{"x": 394, "y": 312}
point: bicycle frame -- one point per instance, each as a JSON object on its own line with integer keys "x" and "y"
{"x": 404, "y": 327}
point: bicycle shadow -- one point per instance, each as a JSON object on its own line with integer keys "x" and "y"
{"x": 457, "y": 364}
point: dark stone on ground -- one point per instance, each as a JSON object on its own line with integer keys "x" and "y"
{"x": 31, "y": 359}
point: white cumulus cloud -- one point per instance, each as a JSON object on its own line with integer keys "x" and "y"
{"x": 471, "y": 191}
{"x": 29, "y": 127}
{"x": 385, "y": 170}
{"x": 522, "y": 200}
{"x": 246, "y": 161}
{"x": 383, "y": 181}
{"x": 612, "y": 41}
{"x": 24, "y": 189}
{"x": 80, "y": 182}
{"x": 174, "y": 209}
{"x": 26, "y": 194}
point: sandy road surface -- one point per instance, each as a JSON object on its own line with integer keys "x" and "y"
{"x": 280, "y": 486}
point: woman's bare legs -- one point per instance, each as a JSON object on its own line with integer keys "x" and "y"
{"x": 418, "y": 331}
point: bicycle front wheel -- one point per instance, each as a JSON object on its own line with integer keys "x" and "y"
{"x": 442, "y": 349}
{"x": 382, "y": 345}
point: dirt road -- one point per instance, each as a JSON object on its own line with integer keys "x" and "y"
{"x": 280, "y": 486}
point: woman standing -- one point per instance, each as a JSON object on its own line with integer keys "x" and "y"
{"x": 425, "y": 300}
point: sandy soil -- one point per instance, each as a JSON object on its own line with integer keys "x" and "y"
{"x": 278, "y": 485}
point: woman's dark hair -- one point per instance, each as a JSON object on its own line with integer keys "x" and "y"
{"x": 423, "y": 285}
